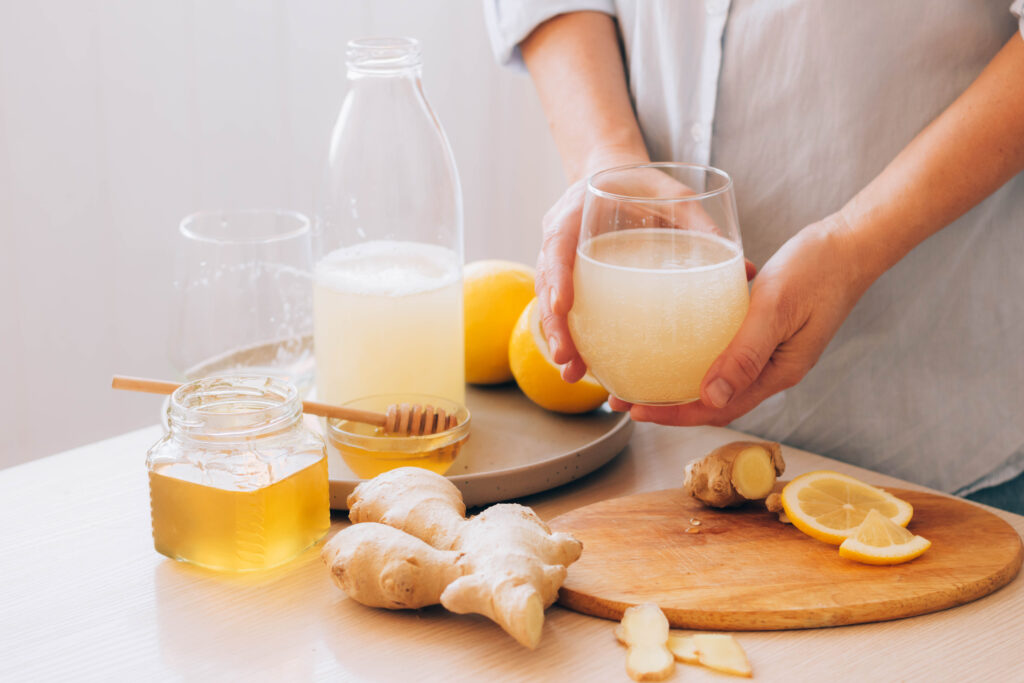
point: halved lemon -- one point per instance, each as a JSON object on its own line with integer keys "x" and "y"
{"x": 880, "y": 541}
{"x": 830, "y": 506}
{"x": 539, "y": 377}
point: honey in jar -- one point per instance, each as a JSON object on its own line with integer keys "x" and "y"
{"x": 238, "y": 483}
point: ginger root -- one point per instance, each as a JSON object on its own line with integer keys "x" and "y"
{"x": 644, "y": 630}
{"x": 410, "y": 545}
{"x": 735, "y": 473}
{"x": 385, "y": 567}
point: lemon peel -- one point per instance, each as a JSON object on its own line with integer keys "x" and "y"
{"x": 495, "y": 292}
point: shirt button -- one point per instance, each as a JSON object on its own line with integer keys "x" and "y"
{"x": 716, "y": 6}
{"x": 700, "y": 132}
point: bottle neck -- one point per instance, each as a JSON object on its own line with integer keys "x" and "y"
{"x": 233, "y": 408}
{"x": 372, "y": 58}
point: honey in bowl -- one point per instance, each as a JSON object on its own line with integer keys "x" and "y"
{"x": 369, "y": 450}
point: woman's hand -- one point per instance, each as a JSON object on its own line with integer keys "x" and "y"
{"x": 797, "y": 303}
{"x": 558, "y": 256}
{"x": 554, "y": 278}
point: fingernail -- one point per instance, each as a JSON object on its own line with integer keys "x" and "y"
{"x": 553, "y": 345}
{"x": 719, "y": 392}
{"x": 552, "y": 299}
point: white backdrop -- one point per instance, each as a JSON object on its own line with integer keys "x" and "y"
{"x": 118, "y": 117}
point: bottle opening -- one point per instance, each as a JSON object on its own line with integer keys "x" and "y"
{"x": 382, "y": 55}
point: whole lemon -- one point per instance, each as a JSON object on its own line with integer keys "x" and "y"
{"x": 539, "y": 377}
{"x": 495, "y": 293}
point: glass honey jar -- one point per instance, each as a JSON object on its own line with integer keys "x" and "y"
{"x": 238, "y": 483}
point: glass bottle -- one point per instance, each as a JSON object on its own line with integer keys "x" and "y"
{"x": 387, "y": 301}
{"x": 238, "y": 482}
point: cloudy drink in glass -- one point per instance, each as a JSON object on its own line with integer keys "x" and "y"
{"x": 653, "y": 310}
{"x": 659, "y": 283}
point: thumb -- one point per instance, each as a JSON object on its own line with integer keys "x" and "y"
{"x": 742, "y": 361}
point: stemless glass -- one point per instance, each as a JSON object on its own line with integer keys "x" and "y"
{"x": 659, "y": 284}
{"x": 244, "y": 296}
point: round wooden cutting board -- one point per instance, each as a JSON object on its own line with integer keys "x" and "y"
{"x": 746, "y": 571}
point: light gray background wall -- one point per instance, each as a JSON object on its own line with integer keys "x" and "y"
{"x": 118, "y": 117}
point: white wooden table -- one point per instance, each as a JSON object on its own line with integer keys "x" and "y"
{"x": 83, "y": 596}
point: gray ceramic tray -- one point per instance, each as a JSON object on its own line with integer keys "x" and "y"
{"x": 515, "y": 448}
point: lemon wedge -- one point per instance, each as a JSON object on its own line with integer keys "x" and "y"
{"x": 830, "y": 506}
{"x": 494, "y": 294}
{"x": 879, "y": 541}
{"x": 539, "y": 377}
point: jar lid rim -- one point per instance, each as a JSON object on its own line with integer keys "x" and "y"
{"x": 234, "y": 405}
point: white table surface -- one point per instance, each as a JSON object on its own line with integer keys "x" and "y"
{"x": 83, "y": 596}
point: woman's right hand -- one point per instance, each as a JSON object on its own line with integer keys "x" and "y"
{"x": 576, "y": 65}
{"x": 558, "y": 256}
{"x": 554, "y": 278}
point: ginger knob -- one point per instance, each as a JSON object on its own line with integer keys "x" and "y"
{"x": 734, "y": 473}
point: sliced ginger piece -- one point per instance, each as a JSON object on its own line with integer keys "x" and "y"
{"x": 644, "y": 630}
{"x": 734, "y": 473}
{"x": 717, "y": 651}
{"x": 721, "y": 652}
{"x": 683, "y": 648}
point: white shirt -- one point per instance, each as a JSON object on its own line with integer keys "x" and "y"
{"x": 803, "y": 103}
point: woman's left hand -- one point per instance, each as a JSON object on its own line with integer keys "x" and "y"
{"x": 797, "y": 303}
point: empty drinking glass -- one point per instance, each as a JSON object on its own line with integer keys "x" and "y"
{"x": 243, "y": 296}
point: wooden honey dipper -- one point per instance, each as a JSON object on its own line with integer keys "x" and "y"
{"x": 401, "y": 418}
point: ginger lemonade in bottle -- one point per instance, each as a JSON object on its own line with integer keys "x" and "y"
{"x": 387, "y": 303}
{"x": 654, "y": 307}
{"x": 387, "y": 320}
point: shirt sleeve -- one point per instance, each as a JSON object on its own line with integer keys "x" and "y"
{"x": 1018, "y": 10}
{"x": 509, "y": 22}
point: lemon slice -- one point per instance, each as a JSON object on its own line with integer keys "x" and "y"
{"x": 879, "y": 541}
{"x": 494, "y": 294}
{"x": 830, "y": 506}
{"x": 539, "y": 377}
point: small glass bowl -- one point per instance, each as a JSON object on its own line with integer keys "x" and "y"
{"x": 369, "y": 451}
